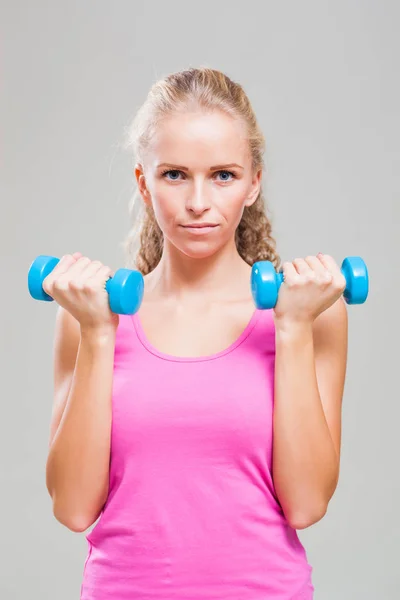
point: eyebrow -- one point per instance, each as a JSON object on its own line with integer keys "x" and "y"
{"x": 211, "y": 168}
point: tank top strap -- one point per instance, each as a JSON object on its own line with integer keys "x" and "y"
{"x": 127, "y": 340}
{"x": 263, "y": 333}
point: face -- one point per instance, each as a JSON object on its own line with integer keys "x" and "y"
{"x": 197, "y": 175}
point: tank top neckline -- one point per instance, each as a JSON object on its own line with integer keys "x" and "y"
{"x": 170, "y": 357}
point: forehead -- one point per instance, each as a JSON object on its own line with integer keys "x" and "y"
{"x": 215, "y": 136}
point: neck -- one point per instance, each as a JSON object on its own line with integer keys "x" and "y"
{"x": 218, "y": 277}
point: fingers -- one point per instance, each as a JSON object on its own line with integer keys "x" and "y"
{"x": 83, "y": 270}
{"x": 309, "y": 269}
{"x": 103, "y": 275}
{"x": 301, "y": 266}
{"x": 63, "y": 265}
{"x": 338, "y": 279}
{"x": 76, "y": 272}
{"x": 67, "y": 278}
{"x": 290, "y": 274}
{"x": 99, "y": 277}
{"x": 85, "y": 274}
{"x": 321, "y": 273}
{"x": 321, "y": 269}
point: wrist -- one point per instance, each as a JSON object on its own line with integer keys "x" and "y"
{"x": 289, "y": 326}
{"x": 98, "y": 335}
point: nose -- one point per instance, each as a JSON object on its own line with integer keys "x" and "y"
{"x": 198, "y": 199}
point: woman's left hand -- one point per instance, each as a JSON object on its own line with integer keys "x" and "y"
{"x": 310, "y": 286}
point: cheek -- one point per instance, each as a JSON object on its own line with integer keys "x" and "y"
{"x": 231, "y": 205}
{"x": 165, "y": 208}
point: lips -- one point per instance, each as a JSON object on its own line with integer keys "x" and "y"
{"x": 199, "y": 225}
{"x": 200, "y": 229}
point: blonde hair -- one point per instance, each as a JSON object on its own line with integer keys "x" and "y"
{"x": 205, "y": 89}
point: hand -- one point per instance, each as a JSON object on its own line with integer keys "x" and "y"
{"x": 78, "y": 284}
{"x": 310, "y": 286}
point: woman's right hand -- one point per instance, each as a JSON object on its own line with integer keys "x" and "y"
{"x": 78, "y": 284}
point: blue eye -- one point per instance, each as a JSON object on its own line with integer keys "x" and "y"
{"x": 169, "y": 171}
{"x": 229, "y": 173}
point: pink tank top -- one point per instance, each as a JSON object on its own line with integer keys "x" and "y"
{"x": 192, "y": 513}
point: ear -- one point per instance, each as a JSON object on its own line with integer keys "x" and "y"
{"x": 255, "y": 188}
{"x": 141, "y": 183}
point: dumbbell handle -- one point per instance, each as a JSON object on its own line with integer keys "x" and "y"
{"x": 358, "y": 270}
{"x": 266, "y": 281}
{"x": 125, "y": 288}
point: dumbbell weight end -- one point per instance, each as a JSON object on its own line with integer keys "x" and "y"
{"x": 265, "y": 282}
{"x": 125, "y": 289}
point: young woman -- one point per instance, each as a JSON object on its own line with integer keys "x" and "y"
{"x": 201, "y": 430}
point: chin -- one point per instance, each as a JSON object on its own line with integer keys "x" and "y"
{"x": 200, "y": 254}
{"x": 198, "y": 250}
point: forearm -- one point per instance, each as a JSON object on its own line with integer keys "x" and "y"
{"x": 78, "y": 462}
{"x": 305, "y": 463}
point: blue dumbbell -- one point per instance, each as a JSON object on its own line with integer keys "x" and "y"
{"x": 265, "y": 282}
{"x": 125, "y": 288}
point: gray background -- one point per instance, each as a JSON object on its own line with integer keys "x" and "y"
{"x": 324, "y": 80}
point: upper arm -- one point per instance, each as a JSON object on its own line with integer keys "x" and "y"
{"x": 66, "y": 344}
{"x": 330, "y": 331}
